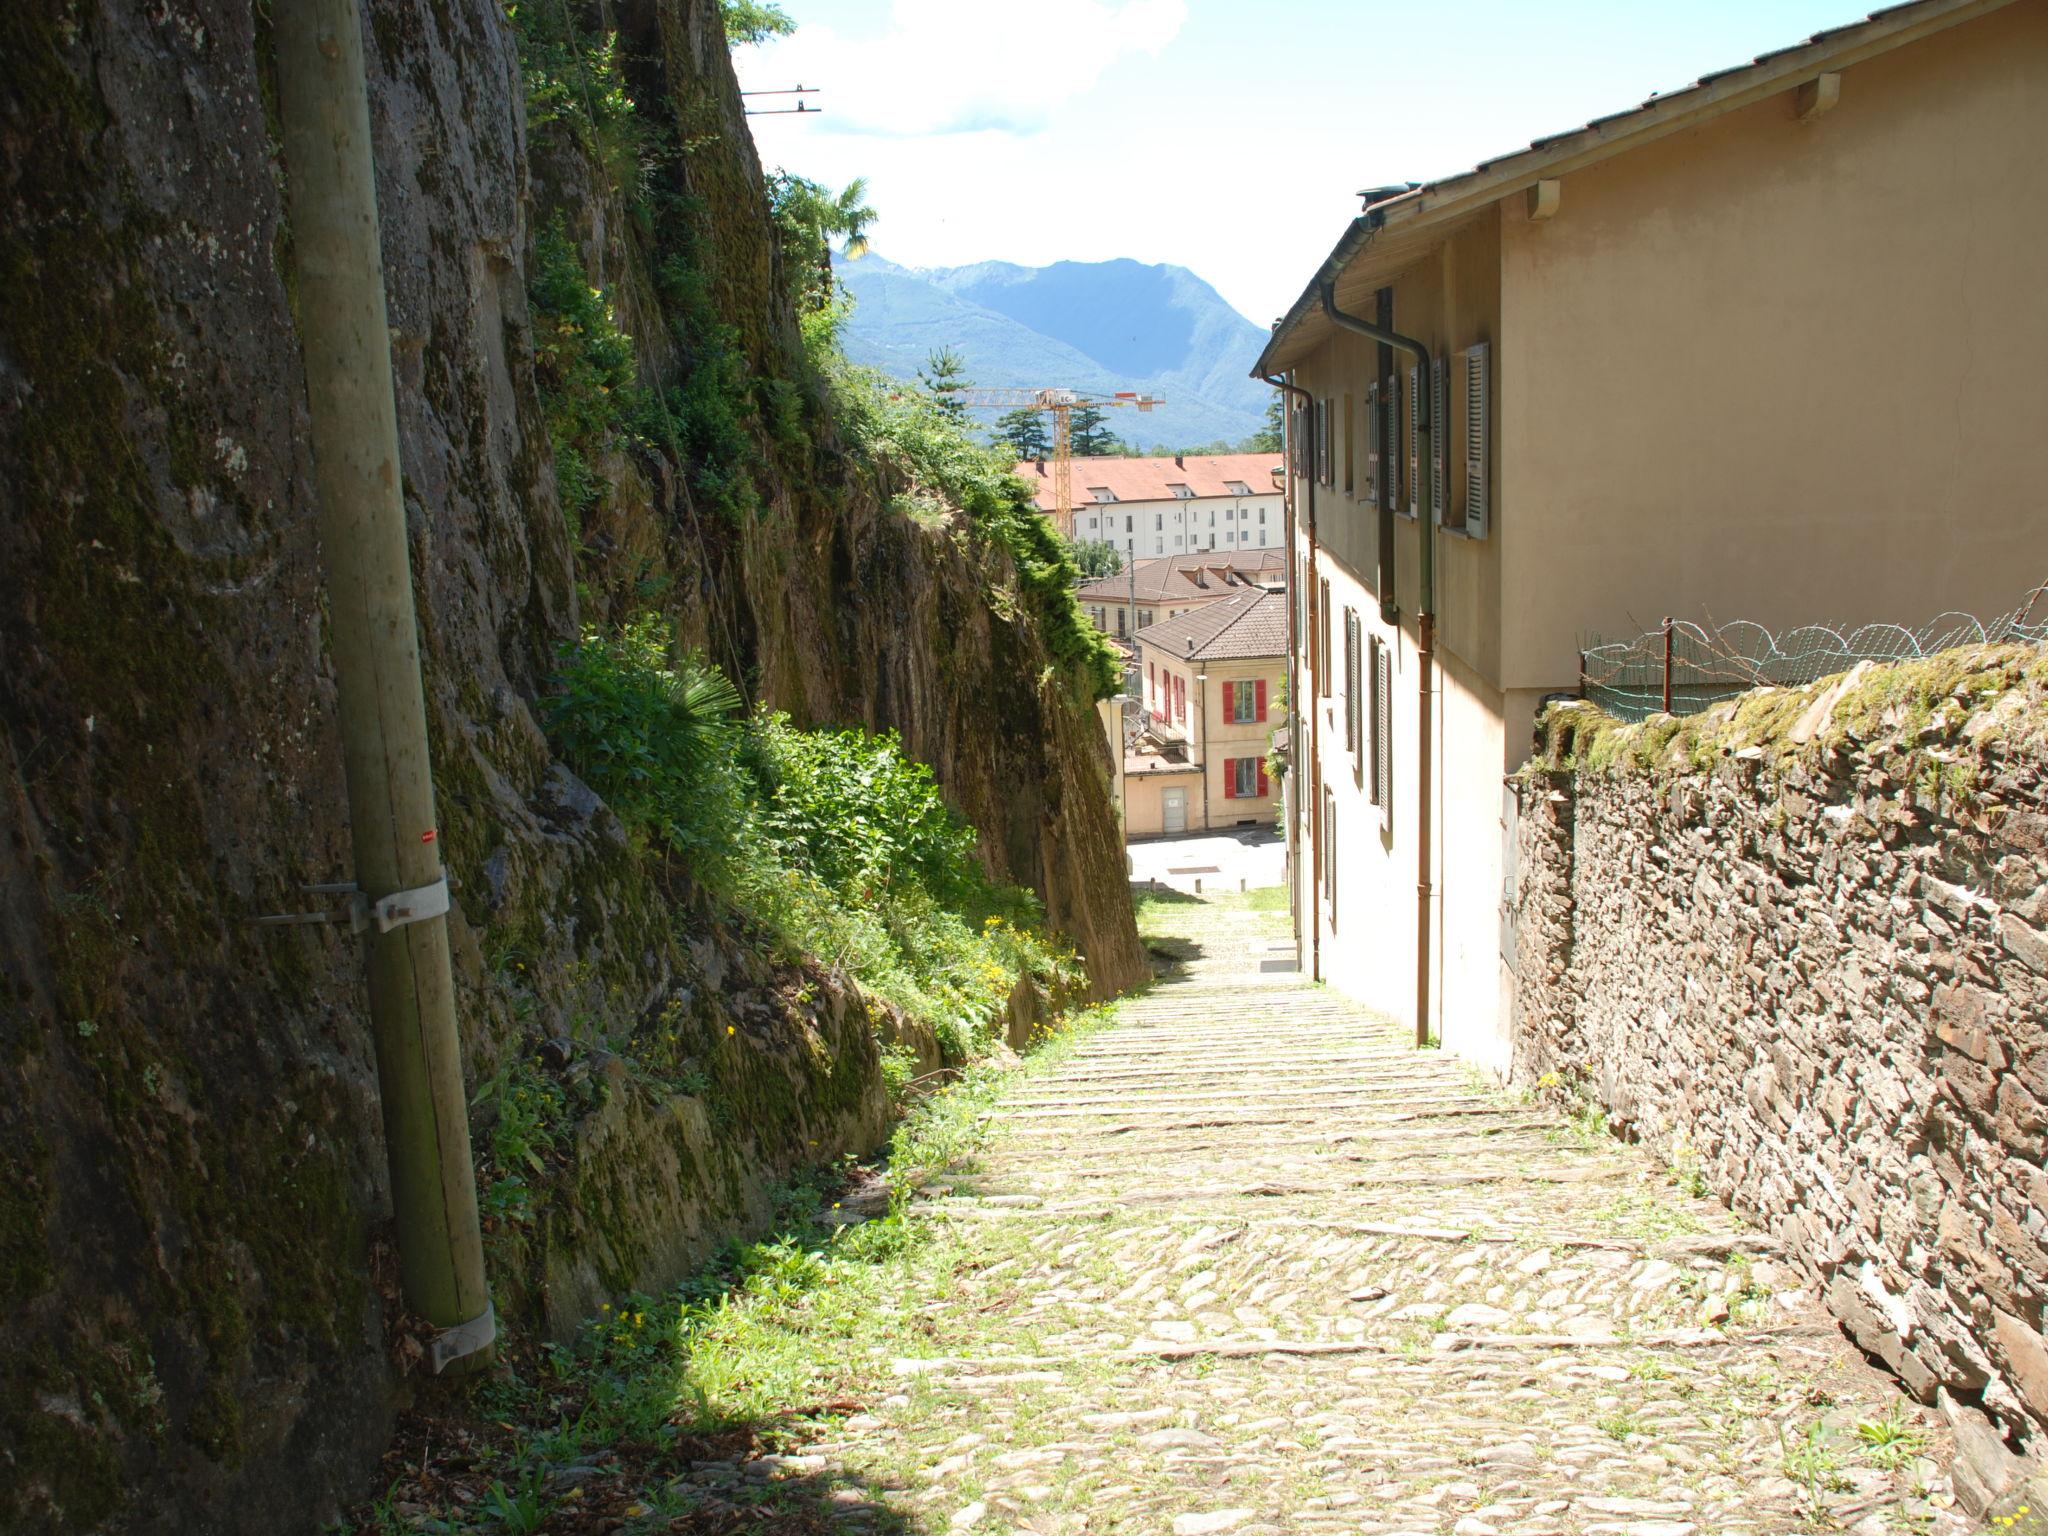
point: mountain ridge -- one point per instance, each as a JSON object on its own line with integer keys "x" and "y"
{"x": 1100, "y": 327}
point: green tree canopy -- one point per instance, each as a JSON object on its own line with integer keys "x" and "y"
{"x": 1026, "y": 430}
{"x": 808, "y": 217}
{"x": 944, "y": 374}
{"x": 1097, "y": 557}
{"x": 1088, "y": 433}
{"x": 753, "y": 21}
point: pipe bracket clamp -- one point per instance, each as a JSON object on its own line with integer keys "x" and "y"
{"x": 464, "y": 1339}
{"x": 413, "y": 906}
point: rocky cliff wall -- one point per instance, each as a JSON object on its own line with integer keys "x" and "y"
{"x": 1798, "y": 945}
{"x": 196, "y": 1326}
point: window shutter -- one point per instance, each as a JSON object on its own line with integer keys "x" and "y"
{"x": 1415, "y": 441}
{"x": 1384, "y": 767}
{"x": 1350, "y": 423}
{"x": 1439, "y": 436}
{"x": 1230, "y": 778}
{"x": 1390, "y": 460}
{"x": 1372, "y": 444}
{"x": 1353, "y": 716}
{"x": 1265, "y": 786}
{"x": 1259, "y": 699}
{"x": 1478, "y": 441}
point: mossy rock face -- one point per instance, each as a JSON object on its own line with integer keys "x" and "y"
{"x": 192, "y": 1334}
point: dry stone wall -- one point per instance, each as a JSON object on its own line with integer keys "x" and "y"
{"x": 1801, "y": 944}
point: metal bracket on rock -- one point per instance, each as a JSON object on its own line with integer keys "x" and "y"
{"x": 453, "y": 1344}
{"x": 384, "y": 914}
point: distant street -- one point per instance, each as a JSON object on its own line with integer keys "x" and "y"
{"x": 1220, "y": 861}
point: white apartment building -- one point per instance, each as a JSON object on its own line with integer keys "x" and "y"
{"x": 1189, "y": 503}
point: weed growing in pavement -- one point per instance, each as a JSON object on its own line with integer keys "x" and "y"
{"x": 1813, "y": 1462}
{"x": 1891, "y": 1439}
{"x": 1620, "y": 1424}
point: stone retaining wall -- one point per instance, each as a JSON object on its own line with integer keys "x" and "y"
{"x": 1798, "y": 944}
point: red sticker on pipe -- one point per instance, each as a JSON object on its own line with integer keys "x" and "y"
{"x": 427, "y": 836}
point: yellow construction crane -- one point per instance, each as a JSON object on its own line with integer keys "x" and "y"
{"x": 1060, "y": 402}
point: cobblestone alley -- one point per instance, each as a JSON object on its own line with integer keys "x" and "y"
{"x": 1246, "y": 1262}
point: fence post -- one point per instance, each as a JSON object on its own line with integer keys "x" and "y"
{"x": 1667, "y": 664}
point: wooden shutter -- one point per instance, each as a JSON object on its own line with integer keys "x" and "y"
{"x": 1265, "y": 784}
{"x": 1375, "y": 721}
{"x": 1259, "y": 699}
{"x": 1439, "y": 436}
{"x": 1384, "y": 745}
{"x": 1478, "y": 441}
{"x": 1415, "y": 441}
{"x": 1350, "y": 423}
{"x": 1354, "y": 713}
{"x": 1390, "y": 460}
{"x": 1371, "y": 490}
{"x": 1230, "y": 778}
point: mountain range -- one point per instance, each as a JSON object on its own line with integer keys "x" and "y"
{"x": 1096, "y": 326}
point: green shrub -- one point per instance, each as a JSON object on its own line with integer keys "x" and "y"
{"x": 832, "y": 842}
{"x": 654, "y": 738}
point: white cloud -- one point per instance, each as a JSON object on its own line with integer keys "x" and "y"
{"x": 963, "y": 66}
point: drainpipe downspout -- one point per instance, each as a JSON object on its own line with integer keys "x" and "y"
{"x": 1425, "y": 645}
{"x": 324, "y": 107}
{"x": 1294, "y": 704}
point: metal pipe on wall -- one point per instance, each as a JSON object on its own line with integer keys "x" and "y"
{"x": 323, "y": 103}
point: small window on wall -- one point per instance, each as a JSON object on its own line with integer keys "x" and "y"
{"x": 1329, "y": 847}
{"x": 1354, "y": 715}
{"x": 1244, "y": 778}
{"x": 1323, "y": 636}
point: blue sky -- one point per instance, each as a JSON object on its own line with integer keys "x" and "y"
{"x": 1224, "y": 136}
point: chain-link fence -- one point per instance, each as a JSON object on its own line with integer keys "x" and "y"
{"x": 1683, "y": 668}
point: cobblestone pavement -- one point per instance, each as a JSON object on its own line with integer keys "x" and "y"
{"x": 1245, "y": 1262}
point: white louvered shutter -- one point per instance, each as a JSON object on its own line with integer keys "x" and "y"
{"x": 1439, "y": 436}
{"x": 1415, "y": 441}
{"x": 1383, "y": 742}
{"x": 1372, "y": 445}
{"x": 1478, "y": 441}
{"x": 1390, "y": 484}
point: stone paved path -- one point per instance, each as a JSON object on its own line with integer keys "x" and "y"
{"x": 1245, "y": 1262}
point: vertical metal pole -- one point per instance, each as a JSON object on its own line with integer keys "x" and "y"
{"x": 324, "y": 105}
{"x": 1667, "y": 664}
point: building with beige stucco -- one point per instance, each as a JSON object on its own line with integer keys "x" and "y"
{"x": 1766, "y": 348}
{"x": 1210, "y": 691}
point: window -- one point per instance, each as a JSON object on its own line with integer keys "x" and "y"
{"x": 1237, "y": 488}
{"x": 1245, "y": 703}
{"x": 1092, "y": 523}
{"x": 1262, "y": 516}
{"x": 1180, "y": 492}
{"x": 1127, "y": 522}
{"x": 1158, "y": 521}
{"x": 1120, "y": 613}
{"x": 1144, "y": 615}
{"x": 1323, "y": 466}
{"x": 1350, "y": 448}
{"x": 1159, "y": 546}
{"x": 1152, "y": 688}
{"x": 1102, "y": 493}
{"x": 1244, "y": 778}
{"x": 1180, "y": 700}
{"x": 1176, "y": 541}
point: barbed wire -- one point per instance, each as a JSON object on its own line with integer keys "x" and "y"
{"x": 1687, "y": 667}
